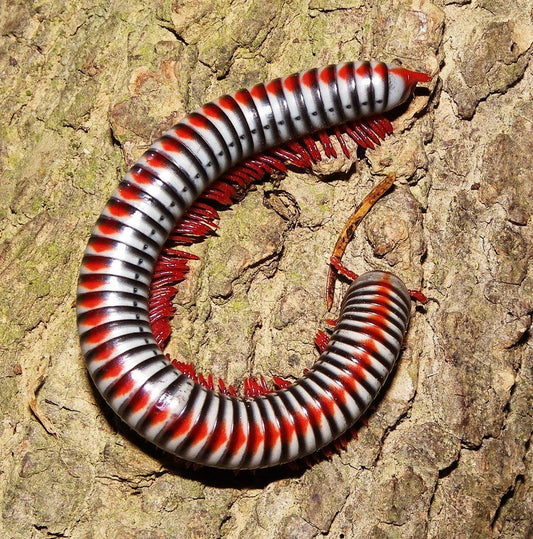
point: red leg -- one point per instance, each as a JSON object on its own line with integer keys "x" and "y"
{"x": 321, "y": 341}
{"x": 342, "y": 269}
{"x": 280, "y": 383}
{"x": 418, "y": 296}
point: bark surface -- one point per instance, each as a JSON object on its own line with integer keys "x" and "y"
{"x": 446, "y": 451}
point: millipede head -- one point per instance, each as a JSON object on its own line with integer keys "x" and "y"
{"x": 402, "y": 83}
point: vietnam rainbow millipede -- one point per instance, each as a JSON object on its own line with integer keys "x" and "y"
{"x": 126, "y": 364}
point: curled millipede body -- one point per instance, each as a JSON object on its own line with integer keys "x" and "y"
{"x": 123, "y": 358}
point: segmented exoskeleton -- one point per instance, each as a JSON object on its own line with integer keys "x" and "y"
{"x": 123, "y": 358}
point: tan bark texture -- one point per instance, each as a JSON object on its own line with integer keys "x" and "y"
{"x": 446, "y": 450}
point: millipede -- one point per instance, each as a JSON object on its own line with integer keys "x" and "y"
{"x": 237, "y": 138}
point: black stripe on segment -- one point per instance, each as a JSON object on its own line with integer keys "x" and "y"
{"x": 323, "y": 369}
{"x": 165, "y": 396}
{"x": 391, "y": 285}
{"x": 224, "y": 150}
{"x": 212, "y": 441}
{"x": 137, "y": 287}
{"x": 143, "y": 330}
{"x": 362, "y": 345}
{"x": 165, "y": 435}
{"x": 371, "y": 390}
{"x": 364, "y": 309}
{"x": 341, "y": 364}
{"x": 303, "y": 387}
{"x": 116, "y": 342}
{"x": 399, "y": 296}
{"x": 369, "y": 86}
{"x": 207, "y": 148}
{"x": 360, "y": 380}
{"x": 257, "y": 127}
{"x": 257, "y": 423}
{"x": 137, "y": 313}
{"x": 391, "y": 330}
{"x": 124, "y": 206}
{"x": 228, "y": 125}
{"x": 279, "y": 414}
{"x": 351, "y": 83}
{"x": 363, "y": 364}
{"x": 367, "y": 298}
{"x": 126, "y": 408}
{"x": 233, "y": 436}
{"x": 112, "y": 390}
{"x": 99, "y": 374}
{"x": 368, "y": 365}
{"x": 143, "y": 327}
{"x": 303, "y": 113}
{"x": 241, "y": 118}
{"x": 385, "y": 85}
{"x": 261, "y": 94}
{"x": 133, "y": 253}
{"x": 180, "y": 172}
{"x": 303, "y": 449}
{"x": 281, "y": 101}
{"x": 199, "y": 423}
{"x": 389, "y": 304}
{"x": 371, "y": 333}
{"x": 312, "y": 377}
{"x": 367, "y": 302}
{"x": 334, "y": 90}
{"x": 248, "y": 454}
{"x": 123, "y": 228}
{"x": 134, "y": 299}
{"x": 169, "y": 189}
{"x": 314, "y": 88}
{"x": 147, "y": 197}
{"x": 135, "y": 269}
{"x": 268, "y": 439}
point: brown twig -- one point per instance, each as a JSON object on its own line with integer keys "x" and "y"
{"x": 349, "y": 229}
